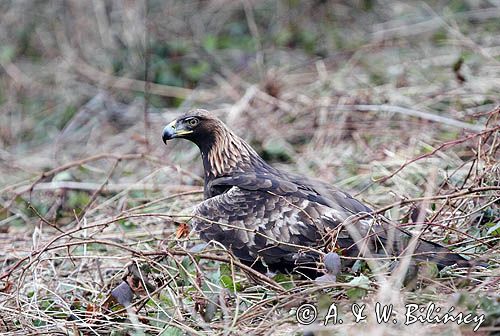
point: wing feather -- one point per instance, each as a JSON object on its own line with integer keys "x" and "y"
{"x": 273, "y": 227}
{"x": 274, "y": 214}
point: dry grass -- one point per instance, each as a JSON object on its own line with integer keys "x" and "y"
{"x": 396, "y": 103}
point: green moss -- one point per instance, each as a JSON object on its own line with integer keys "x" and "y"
{"x": 77, "y": 200}
{"x": 440, "y": 36}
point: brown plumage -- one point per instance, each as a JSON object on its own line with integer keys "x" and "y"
{"x": 277, "y": 221}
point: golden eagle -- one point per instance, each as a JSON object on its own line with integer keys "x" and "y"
{"x": 273, "y": 220}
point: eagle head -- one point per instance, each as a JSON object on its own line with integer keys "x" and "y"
{"x": 197, "y": 125}
{"x": 223, "y": 152}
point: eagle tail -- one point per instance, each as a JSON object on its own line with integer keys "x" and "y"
{"x": 442, "y": 256}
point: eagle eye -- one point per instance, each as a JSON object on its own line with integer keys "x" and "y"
{"x": 193, "y": 122}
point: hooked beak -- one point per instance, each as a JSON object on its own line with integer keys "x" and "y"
{"x": 173, "y": 130}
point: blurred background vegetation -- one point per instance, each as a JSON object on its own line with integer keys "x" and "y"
{"x": 58, "y": 55}
{"x": 346, "y": 91}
